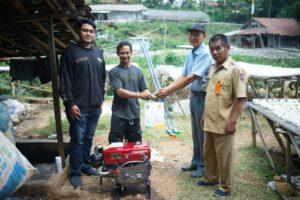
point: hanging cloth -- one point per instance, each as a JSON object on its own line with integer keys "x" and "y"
{"x": 23, "y": 70}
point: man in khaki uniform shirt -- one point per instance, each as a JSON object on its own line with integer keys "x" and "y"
{"x": 226, "y": 92}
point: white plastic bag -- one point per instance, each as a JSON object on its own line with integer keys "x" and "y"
{"x": 15, "y": 169}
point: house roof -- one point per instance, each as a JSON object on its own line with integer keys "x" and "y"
{"x": 171, "y": 15}
{"x": 276, "y": 26}
{"x": 24, "y": 28}
{"x": 252, "y": 31}
{"x": 280, "y": 26}
{"x": 117, "y": 7}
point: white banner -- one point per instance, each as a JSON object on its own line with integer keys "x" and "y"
{"x": 154, "y": 115}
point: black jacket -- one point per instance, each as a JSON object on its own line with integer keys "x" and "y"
{"x": 82, "y": 78}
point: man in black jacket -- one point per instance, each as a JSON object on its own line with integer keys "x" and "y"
{"x": 82, "y": 90}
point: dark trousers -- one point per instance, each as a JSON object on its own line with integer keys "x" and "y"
{"x": 197, "y": 108}
{"x": 81, "y": 133}
{"x": 121, "y": 129}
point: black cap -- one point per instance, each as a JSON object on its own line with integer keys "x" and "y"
{"x": 197, "y": 27}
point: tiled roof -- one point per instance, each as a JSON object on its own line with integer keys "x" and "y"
{"x": 280, "y": 26}
{"x": 276, "y": 26}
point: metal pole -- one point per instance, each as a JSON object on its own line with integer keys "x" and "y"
{"x": 56, "y": 104}
{"x": 170, "y": 130}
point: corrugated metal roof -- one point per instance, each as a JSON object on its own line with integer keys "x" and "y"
{"x": 118, "y": 7}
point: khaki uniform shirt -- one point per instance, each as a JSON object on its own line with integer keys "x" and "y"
{"x": 226, "y": 84}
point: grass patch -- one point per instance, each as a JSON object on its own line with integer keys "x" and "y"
{"x": 252, "y": 173}
{"x": 51, "y": 129}
{"x": 103, "y": 126}
{"x": 258, "y": 164}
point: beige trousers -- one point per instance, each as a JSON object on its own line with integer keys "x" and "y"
{"x": 218, "y": 159}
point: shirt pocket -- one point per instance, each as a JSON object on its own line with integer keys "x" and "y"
{"x": 225, "y": 89}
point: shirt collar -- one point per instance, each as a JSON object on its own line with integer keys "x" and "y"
{"x": 198, "y": 50}
{"x": 227, "y": 64}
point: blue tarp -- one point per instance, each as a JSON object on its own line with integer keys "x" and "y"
{"x": 6, "y": 124}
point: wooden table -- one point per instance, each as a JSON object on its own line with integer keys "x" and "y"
{"x": 278, "y": 126}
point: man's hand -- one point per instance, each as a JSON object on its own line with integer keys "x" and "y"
{"x": 146, "y": 96}
{"x": 230, "y": 127}
{"x": 202, "y": 121}
{"x": 75, "y": 112}
{"x": 162, "y": 93}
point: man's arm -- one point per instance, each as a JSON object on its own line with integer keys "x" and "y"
{"x": 199, "y": 70}
{"x": 66, "y": 87}
{"x": 236, "y": 111}
{"x": 103, "y": 79}
{"x": 179, "y": 83}
{"x": 239, "y": 90}
{"x": 126, "y": 94}
{"x": 66, "y": 79}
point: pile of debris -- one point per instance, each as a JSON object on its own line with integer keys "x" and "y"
{"x": 166, "y": 75}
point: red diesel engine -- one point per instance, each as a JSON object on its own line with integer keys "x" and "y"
{"x": 126, "y": 164}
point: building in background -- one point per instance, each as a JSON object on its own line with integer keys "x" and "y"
{"x": 118, "y": 12}
{"x": 267, "y": 32}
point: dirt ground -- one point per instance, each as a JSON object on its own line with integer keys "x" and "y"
{"x": 164, "y": 175}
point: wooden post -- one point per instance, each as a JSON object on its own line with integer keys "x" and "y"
{"x": 262, "y": 140}
{"x": 266, "y": 89}
{"x": 261, "y": 41}
{"x": 282, "y": 81}
{"x": 56, "y": 103}
{"x": 297, "y": 85}
{"x": 254, "y": 131}
{"x": 288, "y": 160}
{"x": 277, "y": 136}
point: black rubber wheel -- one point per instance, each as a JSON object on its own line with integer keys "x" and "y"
{"x": 117, "y": 193}
{"x": 148, "y": 190}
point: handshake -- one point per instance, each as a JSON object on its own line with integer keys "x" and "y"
{"x": 160, "y": 94}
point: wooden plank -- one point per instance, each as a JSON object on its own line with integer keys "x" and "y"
{"x": 262, "y": 139}
{"x": 266, "y": 82}
{"x": 63, "y": 20}
{"x": 3, "y": 38}
{"x": 55, "y": 92}
{"x": 72, "y": 31}
{"x": 7, "y": 51}
{"x": 296, "y": 143}
{"x": 19, "y": 6}
{"x": 289, "y": 127}
{"x": 278, "y": 138}
{"x": 288, "y": 160}
{"x": 297, "y": 87}
{"x": 253, "y": 131}
{"x": 36, "y": 43}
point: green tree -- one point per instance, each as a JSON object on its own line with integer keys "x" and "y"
{"x": 240, "y": 11}
{"x": 190, "y": 4}
{"x": 231, "y": 11}
{"x": 153, "y": 3}
{"x": 278, "y": 8}
{"x": 95, "y": 2}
